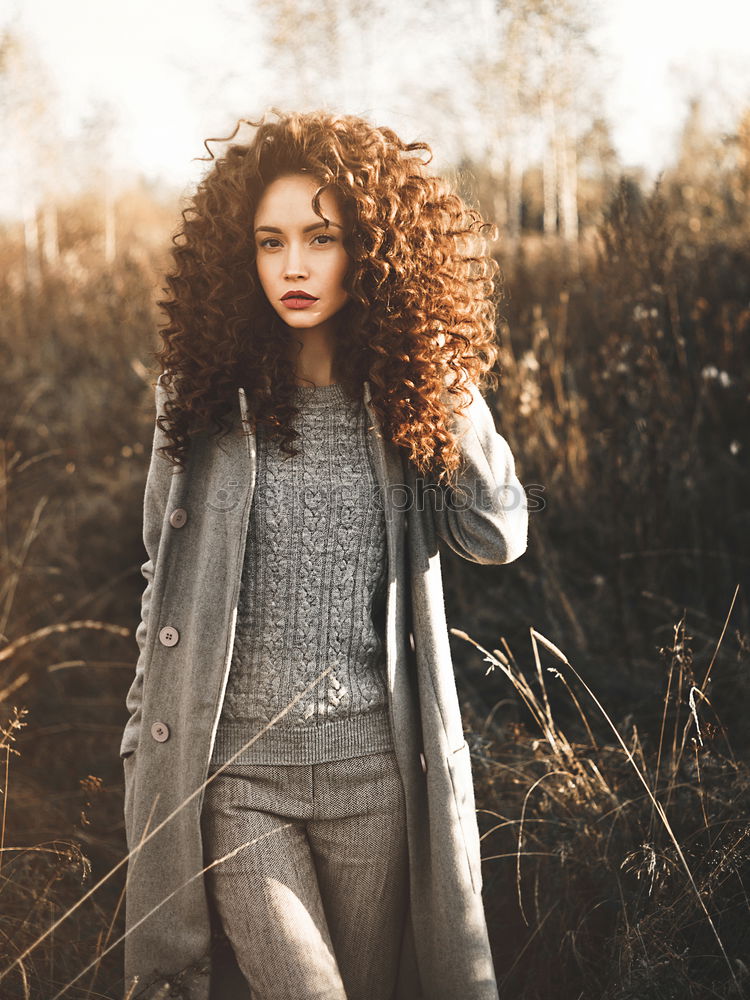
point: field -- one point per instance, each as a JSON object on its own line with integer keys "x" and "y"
{"x": 605, "y": 675}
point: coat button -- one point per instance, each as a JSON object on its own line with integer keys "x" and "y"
{"x": 160, "y": 731}
{"x": 169, "y": 636}
{"x": 424, "y": 762}
{"x": 178, "y": 517}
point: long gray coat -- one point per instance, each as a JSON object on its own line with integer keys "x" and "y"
{"x": 194, "y": 530}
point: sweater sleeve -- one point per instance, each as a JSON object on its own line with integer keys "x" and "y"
{"x": 154, "y": 504}
{"x": 485, "y": 518}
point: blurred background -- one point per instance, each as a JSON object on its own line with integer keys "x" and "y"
{"x": 610, "y": 142}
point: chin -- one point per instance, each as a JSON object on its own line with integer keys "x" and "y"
{"x": 300, "y": 324}
{"x": 304, "y": 322}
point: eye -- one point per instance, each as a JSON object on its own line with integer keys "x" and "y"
{"x": 325, "y": 236}
{"x": 269, "y": 239}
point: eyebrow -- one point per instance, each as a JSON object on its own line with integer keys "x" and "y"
{"x": 307, "y": 229}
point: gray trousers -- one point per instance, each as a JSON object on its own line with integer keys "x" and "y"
{"x": 314, "y": 893}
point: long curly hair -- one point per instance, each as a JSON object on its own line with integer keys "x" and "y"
{"x": 420, "y": 319}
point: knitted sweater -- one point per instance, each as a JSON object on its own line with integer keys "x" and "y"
{"x": 312, "y": 595}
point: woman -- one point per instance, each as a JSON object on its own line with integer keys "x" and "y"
{"x": 296, "y": 774}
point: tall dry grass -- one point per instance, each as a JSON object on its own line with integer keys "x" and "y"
{"x": 615, "y": 859}
{"x": 612, "y": 792}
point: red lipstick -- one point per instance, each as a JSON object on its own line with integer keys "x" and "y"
{"x": 297, "y": 299}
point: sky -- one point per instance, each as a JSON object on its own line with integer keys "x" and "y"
{"x": 168, "y": 65}
{"x": 658, "y": 51}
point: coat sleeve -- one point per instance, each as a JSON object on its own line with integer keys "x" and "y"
{"x": 485, "y": 518}
{"x": 154, "y": 504}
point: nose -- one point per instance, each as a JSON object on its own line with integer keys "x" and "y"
{"x": 294, "y": 266}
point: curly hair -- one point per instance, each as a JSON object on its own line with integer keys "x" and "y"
{"x": 419, "y": 320}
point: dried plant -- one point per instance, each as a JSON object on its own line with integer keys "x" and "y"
{"x": 614, "y": 810}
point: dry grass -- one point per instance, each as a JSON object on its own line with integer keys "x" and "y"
{"x": 612, "y": 778}
{"x": 615, "y": 865}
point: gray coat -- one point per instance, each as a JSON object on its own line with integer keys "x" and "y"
{"x": 194, "y": 530}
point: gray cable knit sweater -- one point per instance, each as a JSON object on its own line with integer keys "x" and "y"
{"x": 312, "y": 595}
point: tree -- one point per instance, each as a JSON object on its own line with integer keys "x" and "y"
{"x": 29, "y": 156}
{"x": 530, "y": 69}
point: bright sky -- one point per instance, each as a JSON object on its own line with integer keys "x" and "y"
{"x": 172, "y": 69}
{"x": 658, "y": 51}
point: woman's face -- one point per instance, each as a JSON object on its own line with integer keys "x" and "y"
{"x": 296, "y": 252}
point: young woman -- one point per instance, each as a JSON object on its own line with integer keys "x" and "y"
{"x": 297, "y": 779}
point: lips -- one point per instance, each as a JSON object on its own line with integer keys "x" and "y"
{"x": 298, "y": 295}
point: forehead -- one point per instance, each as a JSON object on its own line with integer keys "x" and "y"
{"x": 289, "y": 198}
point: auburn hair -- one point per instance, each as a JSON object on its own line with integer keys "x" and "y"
{"x": 420, "y": 318}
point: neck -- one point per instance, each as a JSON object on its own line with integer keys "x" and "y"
{"x": 312, "y": 355}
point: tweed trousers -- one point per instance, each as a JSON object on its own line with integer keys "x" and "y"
{"x": 312, "y": 880}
